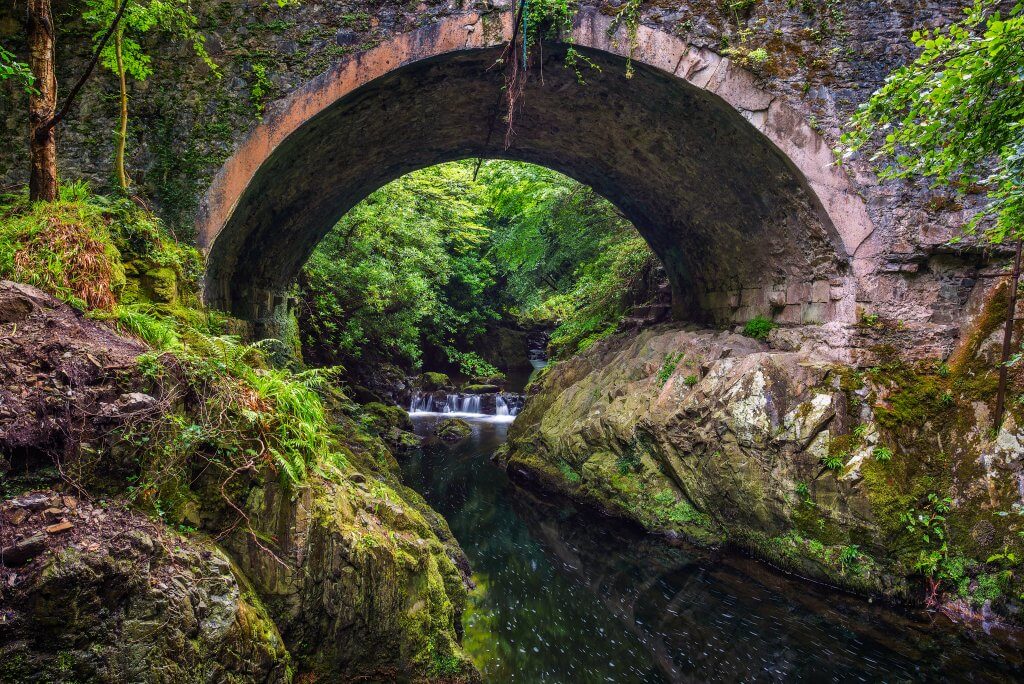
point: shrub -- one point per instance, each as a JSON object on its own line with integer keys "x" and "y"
{"x": 833, "y": 462}
{"x": 759, "y": 327}
{"x": 668, "y": 367}
{"x": 882, "y": 454}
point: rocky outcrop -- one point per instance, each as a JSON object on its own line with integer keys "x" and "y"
{"x": 718, "y": 438}
{"x": 357, "y": 579}
{"x": 452, "y": 430}
{"x": 107, "y": 595}
{"x": 360, "y": 576}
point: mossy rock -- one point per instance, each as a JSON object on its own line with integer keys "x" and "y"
{"x": 481, "y": 389}
{"x": 383, "y": 418}
{"x": 452, "y": 430}
{"x": 431, "y": 381}
{"x": 497, "y": 380}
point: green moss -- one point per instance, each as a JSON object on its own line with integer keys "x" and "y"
{"x": 432, "y": 381}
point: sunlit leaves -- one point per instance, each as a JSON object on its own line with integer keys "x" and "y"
{"x": 956, "y": 114}
{"x": 11, "y": 68}
{"x": 174, "y": 18}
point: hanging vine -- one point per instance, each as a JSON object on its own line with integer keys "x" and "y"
{"x": 535, "y": 21}
{"x": 629, "y": 17}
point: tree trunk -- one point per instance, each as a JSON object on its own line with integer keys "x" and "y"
{"x": 1007, "y": 339}
{"x": 42, "y": 103}
{"x": 122, "y": 133}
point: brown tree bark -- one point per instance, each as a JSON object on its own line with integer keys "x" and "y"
{"x": 122, "y": 131}
{"x": 42, "y": 103}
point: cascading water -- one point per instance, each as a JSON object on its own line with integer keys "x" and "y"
{"x": 498, "y": 405}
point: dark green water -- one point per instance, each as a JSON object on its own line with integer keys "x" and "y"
{"x": 565, "y": 596}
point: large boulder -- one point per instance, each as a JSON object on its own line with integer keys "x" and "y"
{"x": 452, "y": 430}
{"x": 362, "y": 578}
{"x": 813, "y": 465}
{"x": 357, "y": 579}
{"x": 106, "y": 595}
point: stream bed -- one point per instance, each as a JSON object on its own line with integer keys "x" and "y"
{"x": 565, "y": 595}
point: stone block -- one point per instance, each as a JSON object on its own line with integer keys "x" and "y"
{"x": 820, "y": 290}
{"x": 798, "y": 293}
{"x": 792, "y": 314}
{"x": 752, "y": 296}
{"x": 814, "y": 314}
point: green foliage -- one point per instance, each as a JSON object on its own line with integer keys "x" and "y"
{"x": 261, "y": 86}
{"x": 470, "y": 363}
{"x": 929, "y": 522}
{"x": 173, "y": 18}
{"x": 804, "y": 492}
{"x": 75, "y": 248}
{"x": 628, "y": 16}
{"x": 402, "y": 269}
{"x": 231, "y": 409}
{"x": 568, "y": 473}
{"x": 668, "y": 367}
{"x": 19, "y": 72}
{"x": 849, "y": 557}
{"x": 956, "y": 114}
{"x": 758, "y": 327}
{"x": 833, "y": 461}
{"x": 628, "y": 462}
{"x": 882, "y": 454}
{"x": 423, "y": 266}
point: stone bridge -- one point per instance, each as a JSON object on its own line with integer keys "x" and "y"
{"x": 727, "y": 171}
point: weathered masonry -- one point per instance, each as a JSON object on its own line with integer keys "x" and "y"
{"x": 733, "y": 188}
{"x": 726, "y": 169}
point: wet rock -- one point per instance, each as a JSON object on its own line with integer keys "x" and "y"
{"x": 452, "y": 430}
{"x": 379, "y": 557}
{"x": 432, "y": 382}
{"x": 699, "y": 434}
{"x": 23, "y": 551}
{"x": 116, "y": 612}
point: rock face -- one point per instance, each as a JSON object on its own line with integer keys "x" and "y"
{"x": 114, "y": 597}
{"x": 718, "y": 438}
{"x": 358, "y": 581}
{"x": 360, "y": 576}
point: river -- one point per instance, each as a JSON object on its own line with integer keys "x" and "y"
{"x": 564, "y": 595}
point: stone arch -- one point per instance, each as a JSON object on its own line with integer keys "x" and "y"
{"x": 730, "y": 186}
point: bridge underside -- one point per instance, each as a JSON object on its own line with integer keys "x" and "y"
{"x": 723, "y": 208}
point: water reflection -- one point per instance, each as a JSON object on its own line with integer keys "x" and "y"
{"x": 565, "y": 597}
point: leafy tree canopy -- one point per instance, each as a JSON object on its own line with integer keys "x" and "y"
{"x": 174, "y": 17}
{"x": 428, "y": 263}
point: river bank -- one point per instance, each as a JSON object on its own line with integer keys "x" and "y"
{"x": 565, "y": 594}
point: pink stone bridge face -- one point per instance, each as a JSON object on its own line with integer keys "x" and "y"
{"x": 730, "y": 186}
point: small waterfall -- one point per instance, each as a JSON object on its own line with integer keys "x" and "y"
{"x": 537, "y": 345}
{"x": 421, "y": 403}
{"x": 491, "y": 404}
